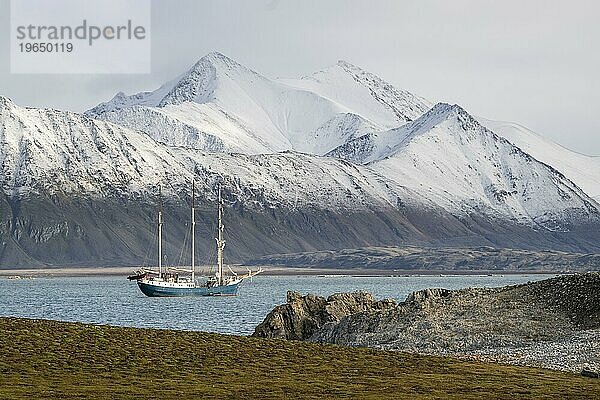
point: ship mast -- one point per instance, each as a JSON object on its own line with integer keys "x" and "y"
{"x": 160, "y": 234}
{"x": 193, "y": 233}
{"x": 220, "y": 242}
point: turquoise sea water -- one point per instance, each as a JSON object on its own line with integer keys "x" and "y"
{"x": 116, "y": 301}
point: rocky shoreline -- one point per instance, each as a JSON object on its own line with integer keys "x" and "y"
{"x": 554, "y": 323}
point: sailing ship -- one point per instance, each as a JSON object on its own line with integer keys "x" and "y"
{"x": 167, "y": 282}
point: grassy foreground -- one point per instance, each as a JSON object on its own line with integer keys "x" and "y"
{"x": 49, "y": 359}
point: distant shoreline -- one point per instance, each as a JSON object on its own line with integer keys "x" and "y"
{"x": 268, "y": 271}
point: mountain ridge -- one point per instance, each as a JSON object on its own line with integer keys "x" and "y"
{"x": 83, "y": 188}
{"x": 471, "y": 162}
{"x": 580, "y": 168}
{"x": 268, "y": 115}
{"x": 79, "y": 191}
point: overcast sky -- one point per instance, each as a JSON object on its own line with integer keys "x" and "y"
{"x": 532, "y": 62}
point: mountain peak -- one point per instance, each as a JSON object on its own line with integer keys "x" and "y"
{"x": 199, "y": 82}
{"x": 441, "y": 120}
{"x": 217, "y": 58}
{"x": 445, "y": 108}
{"x": 217, "y": 62}
{"x": 361, "y": 74}
{"x": 216, "y": 55}
{"x": 444, "y": 111}
{"x": 349, "y": 66}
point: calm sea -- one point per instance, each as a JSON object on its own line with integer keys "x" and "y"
{"x": 116, "y": 301}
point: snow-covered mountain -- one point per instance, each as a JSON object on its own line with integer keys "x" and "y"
{"x": 79, "y": 191}
{"x": 366, "y": 94}
{"x": 53, "y": 151}
{"x": 449, "y": 157}
{"x": 220, "y": 105}
{"x": 582, "y": 169}
{"x": 338, "y": 158}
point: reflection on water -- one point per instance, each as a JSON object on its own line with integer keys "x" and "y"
{"x": 116, "y": 301}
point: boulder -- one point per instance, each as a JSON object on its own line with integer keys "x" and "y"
{"x": 302, "y": 316}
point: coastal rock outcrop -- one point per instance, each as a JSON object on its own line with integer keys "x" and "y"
{"x": 553, "y": 323}
{"x": 302, "y": 316}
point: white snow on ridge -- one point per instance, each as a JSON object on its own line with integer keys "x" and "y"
{"x": 260, "y": 115}
{"x": 582, "y": 169}
{"x": 448, "y": 157}
{"x": 219, "y": 105}
{"x": 365, "y": 94}
{"x": 225, "y": 121}
{"x": 447, "y": 160}
{"x": 202, "y": 127}
{"x": 67, "y": 153}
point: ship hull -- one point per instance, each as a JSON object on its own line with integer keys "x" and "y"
{"x": 151, "y": 290}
